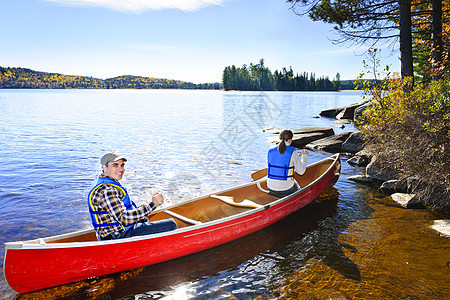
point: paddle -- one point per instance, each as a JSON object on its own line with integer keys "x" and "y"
{"x": 261, "y": 173}
{"x": 230, "y": 200}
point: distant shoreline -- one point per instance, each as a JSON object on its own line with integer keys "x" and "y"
{"x": 23, "y": 78}
{"x": 166, "y": 89}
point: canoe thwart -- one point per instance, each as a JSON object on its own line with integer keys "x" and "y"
{"x": 230, "y": 200}
{"x": 182, "y": 218}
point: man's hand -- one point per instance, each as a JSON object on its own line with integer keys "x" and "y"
{"x": 157, "y": 199}
{"x": 304, "y": 151}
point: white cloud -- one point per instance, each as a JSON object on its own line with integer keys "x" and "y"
{"x": 139, "y": 6}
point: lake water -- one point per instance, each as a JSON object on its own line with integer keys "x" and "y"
{"x": 353, "y": 243}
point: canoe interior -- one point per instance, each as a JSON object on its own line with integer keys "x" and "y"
{"x": 206, "y": 209}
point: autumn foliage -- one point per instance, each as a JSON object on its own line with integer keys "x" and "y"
{"x": 21, "y": 78}
{"x": 410, "y": 133}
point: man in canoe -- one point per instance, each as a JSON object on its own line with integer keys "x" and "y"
{"x": 282, "y": 162}
{"x": 113, "y": 213}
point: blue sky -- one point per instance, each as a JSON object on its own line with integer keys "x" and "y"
{"x": 189, "y": 40}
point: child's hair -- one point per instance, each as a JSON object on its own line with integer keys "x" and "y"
{"x": 284, "y": 135}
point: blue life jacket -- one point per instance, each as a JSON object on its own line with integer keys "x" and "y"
{"x": 129, "y": 205}
{"x": 279, "y": 163}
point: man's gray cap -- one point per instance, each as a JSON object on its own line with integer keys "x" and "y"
{"x": 112, "y": 156}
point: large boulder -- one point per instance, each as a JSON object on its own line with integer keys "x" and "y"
{"x": 414, "y": 184}
{"x": 304, "y": 136}
{"x": 393, "y": 186}
{"x": 360, "y": 110}
{"x": 434, "y": 196}
{"x": 332, "y": 112}
{"x": 377, "y": 171}
{"x": 301, "y": 140}
{"x": 330, "y": 144}
{"x": 348, "y": 112}
{"x": 354, "y": 143}
{"x": 325, "y": 130}
{"x": 360, "y": 159}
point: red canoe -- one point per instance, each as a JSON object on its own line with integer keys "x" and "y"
{"x": 203, "y": 223}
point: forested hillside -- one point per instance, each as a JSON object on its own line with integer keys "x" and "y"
{"x": 260, "y": 78}
{"x": 21, "y": 78}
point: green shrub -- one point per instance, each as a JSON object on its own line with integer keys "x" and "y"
{"x": 410, "y": 132}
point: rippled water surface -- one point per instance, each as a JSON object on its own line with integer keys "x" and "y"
{"x": 353, "y": 243}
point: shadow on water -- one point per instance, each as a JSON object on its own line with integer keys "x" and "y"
{"x": 298, "y": 237}
{"x": 322, "y": 243}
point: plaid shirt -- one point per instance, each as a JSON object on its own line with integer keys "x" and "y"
{"x": 108, "y": 198}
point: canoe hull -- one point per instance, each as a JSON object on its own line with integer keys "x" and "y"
{"x": 34, "y": 267}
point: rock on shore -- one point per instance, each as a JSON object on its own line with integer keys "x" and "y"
{"x": 322, "y": 138}
{"x": 409, "y": 192}
{"x": 303, "y": 136}
{"x": 330, "y": 144}
{"x": 346, "y": 112}
{"x": 407, "y": 200}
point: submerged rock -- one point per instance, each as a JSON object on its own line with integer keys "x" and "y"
{"x": 442, "y": 226}
{"x": 361, "y": 179}
{"x": 407, "y": 200}
{"x": 402, "y": 198}
{"x": 271, "y": 129}
{"x": 342, "y": 121}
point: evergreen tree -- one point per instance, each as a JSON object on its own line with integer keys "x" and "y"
{"x": 259, "y": 78}
{"x": 366, "y": 21}
{"x": 337, "y": 82}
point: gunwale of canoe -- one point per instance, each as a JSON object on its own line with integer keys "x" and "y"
{"x": 206, "y": 209}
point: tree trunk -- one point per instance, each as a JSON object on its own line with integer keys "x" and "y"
{"x": 406, "y": 57}
{"x": 436, "y": 37}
